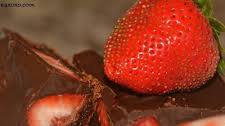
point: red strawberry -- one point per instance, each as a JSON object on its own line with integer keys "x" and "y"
{"x": 213, "y": 121}
{"x": 54, "y": 110}
{"x": 149, "y": 121}
{"x": 162, "y": 46}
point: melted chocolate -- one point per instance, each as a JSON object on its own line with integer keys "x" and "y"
{"x": 28, "y": 74}
{"x": 124, "y": 107}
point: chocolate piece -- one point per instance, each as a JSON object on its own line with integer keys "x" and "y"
{"x": 124, "y": 107}
{"x": 29, "y": 73}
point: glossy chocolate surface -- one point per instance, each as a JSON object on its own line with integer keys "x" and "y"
{"x": 26, "y": 76}
{"x": 124, "y": 106}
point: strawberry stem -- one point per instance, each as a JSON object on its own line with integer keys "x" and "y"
{"x": 218, "y": 27}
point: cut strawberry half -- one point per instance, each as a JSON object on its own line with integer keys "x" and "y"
{"x": 147, "y": 121}
{"x": 57, "y": 110}
{"x": 212, "y": 121}
{"x": 103, "y": 117}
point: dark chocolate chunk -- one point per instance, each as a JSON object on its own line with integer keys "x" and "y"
{"x": 123, "y": 107}
{"x": 29, "y": 73}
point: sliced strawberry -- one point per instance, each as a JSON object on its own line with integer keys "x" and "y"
{"x": 54, "y": 110}
{"x": 103, "y": 116}
{"x": 147, "y": 121}
{"x": 212, "y": 121}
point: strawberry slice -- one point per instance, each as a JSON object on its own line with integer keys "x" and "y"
{"x": 212, "y": 121}
{"x": 147, "y": 121}
{"x": 103, "y": 116}
{"x": 58, "y": 110}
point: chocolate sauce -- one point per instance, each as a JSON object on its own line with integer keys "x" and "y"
{"x": 124, "y": 106}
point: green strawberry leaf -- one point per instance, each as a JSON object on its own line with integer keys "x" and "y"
{"x": 221, "y": 69}
{"x": 217, "y": 37}
{"x": 217, "y": 25}
{"x": 221, "y": 65}
{"x": 207, "y": 9}
{"x": 201, "y": 3}
{"x": 222, "y": 50}
{"x": 205, "y": 6}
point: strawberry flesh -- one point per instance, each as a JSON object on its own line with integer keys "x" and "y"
{"x": 147, "y": 121}
{"x": 103, "y": 117}
{"x": 54, "y": 110}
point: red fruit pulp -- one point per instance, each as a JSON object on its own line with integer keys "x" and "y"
{"x": 54, "y": 110}
{"x": 148, "y": 121}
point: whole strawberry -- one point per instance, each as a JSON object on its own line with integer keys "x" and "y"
{"x": 162, "y": 46}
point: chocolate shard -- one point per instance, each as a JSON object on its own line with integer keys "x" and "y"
{"x": 123, "y": 107}
{"x": 29, "y": 73}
